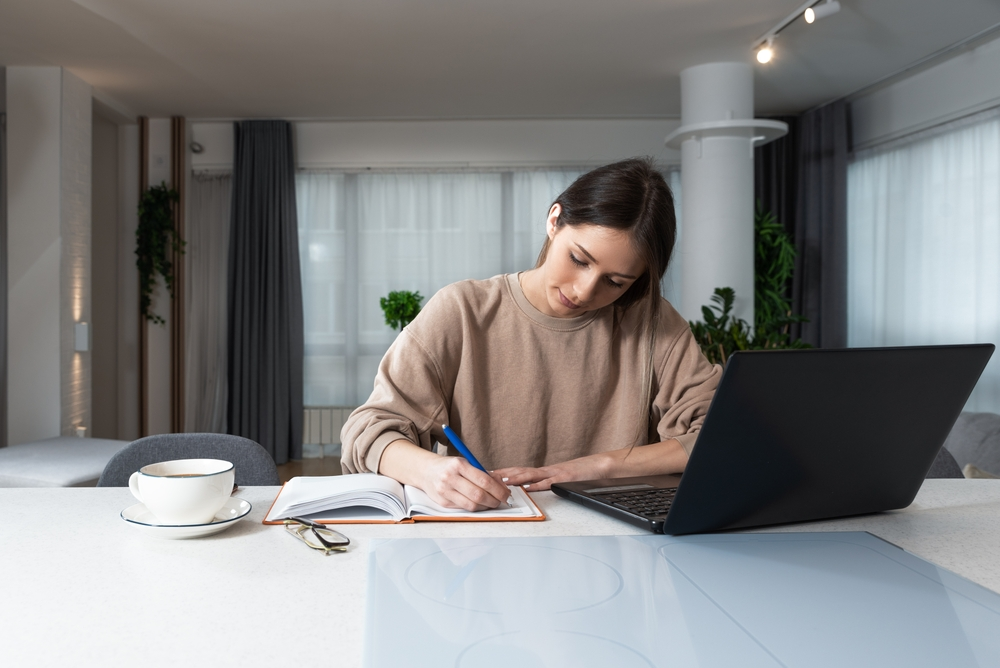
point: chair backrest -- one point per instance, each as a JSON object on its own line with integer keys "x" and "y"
{"x": 253, "y": 465}
{"x": 975, "y": 439}
{"x": 944, "y": 466}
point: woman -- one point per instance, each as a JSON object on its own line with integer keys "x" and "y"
{"x": 552, "y": 374}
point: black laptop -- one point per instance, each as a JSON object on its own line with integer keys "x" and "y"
{"x": 800, "y": 435}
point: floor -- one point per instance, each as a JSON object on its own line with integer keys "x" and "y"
{"x": 316, "y": 466}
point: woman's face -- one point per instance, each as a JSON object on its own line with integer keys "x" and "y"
{"x": 586, "y": 268}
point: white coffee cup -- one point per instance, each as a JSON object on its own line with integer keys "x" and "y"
{"x": 184, "y": 491}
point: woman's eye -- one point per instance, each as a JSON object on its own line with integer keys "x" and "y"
{"x": 609, "y": 280}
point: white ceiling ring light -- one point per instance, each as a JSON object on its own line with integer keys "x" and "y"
{"x": 811, "y": 11}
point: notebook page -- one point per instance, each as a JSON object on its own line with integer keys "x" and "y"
{"x": 421, "y": 504}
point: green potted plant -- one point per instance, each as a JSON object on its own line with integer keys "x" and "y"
{"x": 400, "y": 308}
{"x": 721, "y": 334}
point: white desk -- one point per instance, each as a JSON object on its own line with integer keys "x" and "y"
{"x": 79, "y": 586}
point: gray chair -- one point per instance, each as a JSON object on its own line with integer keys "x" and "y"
{"x": 253, "y": 465}
{"x": 975, "y": 439}
{"x": 944, "y": 466}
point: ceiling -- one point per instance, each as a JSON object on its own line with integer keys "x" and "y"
{"x": 382, "y": 59}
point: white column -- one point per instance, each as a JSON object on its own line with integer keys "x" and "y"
{"x": 716, "y": 138}
{"x": 48, "y": 227}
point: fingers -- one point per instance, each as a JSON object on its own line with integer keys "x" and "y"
{"x": 460, "y": 485}
{"x": 522, "y": 475}
{"x": 493, "y": 491}
{"x": 451, "y": 496}
{"x": 541, "y": 485}
{"x": 499, "y": 477}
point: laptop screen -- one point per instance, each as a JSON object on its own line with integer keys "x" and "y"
{"x": 796, "y": 435}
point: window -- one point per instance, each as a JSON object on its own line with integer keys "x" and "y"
{"x": 924, "y": 243}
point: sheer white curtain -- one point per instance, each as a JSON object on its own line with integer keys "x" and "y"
{"x": 531, "y": 197}
{"x": 364, "y": 235}
{"x": 924, "y": 243}
{"x": 419, "y": 232}
{"x": 321, "y": 202}
{"x": 207, "y": 258}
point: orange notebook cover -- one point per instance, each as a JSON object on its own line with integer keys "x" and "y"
{"x": 368, "y": 498}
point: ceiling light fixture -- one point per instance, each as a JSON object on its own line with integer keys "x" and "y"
{"x": 764, "y": 46}
{"x": 821, "y": 10}
{"x": 766, "y": 52}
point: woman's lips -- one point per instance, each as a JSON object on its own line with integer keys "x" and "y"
{"x": 566, "y": 302}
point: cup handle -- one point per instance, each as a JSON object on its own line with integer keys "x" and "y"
{"x": 133, "y": 485}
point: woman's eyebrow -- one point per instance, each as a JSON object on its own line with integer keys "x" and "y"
{"x": 592, "y": 259}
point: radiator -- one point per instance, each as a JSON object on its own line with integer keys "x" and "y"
{"x": 321, "y": 425}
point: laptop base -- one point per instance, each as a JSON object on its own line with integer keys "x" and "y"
{"x": 594, "y": 494}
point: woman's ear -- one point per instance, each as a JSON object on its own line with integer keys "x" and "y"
{"x": 552, "y": 223}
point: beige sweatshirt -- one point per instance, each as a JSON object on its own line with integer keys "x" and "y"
{"x": 525, "y": 389}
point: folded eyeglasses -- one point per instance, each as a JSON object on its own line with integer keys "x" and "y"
{"x": 316, "y": 535}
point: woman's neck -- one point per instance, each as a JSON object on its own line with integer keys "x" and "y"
{"x": 530, "y": 282}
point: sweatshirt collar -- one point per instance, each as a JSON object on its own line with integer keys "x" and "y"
{"x": 563, "y": 324}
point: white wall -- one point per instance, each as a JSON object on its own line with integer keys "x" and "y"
{"x": 458, "y": 144}
{"x": 48, "y": 160}
{"x": 75, "y": 185}
{"x": 33, "y": 118}
{"x": 965, "y": 83}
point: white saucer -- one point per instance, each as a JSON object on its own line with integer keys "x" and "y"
{"x": 232, "y": 512}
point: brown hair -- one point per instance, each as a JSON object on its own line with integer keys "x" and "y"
{"x": 632, "y": 196}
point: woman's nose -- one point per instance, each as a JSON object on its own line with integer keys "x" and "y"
{"x": 586, "y": 288}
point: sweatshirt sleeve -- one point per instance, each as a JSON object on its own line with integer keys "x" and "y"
{"x": 413, "y": 387}
{"x": 686, "y": 383}
{"x": 406, "y": 403}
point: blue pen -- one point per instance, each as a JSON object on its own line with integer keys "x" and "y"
{"x": 460, "y": 446}
{"x": 457, "y": 442}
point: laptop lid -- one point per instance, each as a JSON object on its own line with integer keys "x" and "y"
{"x": 798, "y": 435}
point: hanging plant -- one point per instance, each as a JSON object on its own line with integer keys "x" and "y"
{"x": 156, "y": 240}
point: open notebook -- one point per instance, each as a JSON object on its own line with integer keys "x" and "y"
{"x": 367, "y": 498}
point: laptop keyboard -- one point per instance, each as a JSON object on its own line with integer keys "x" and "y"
{"x": 647, "y": 502}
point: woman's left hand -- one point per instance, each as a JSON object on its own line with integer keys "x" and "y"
{"x": 653, "y": 459}
{"x": 538, "y": 479}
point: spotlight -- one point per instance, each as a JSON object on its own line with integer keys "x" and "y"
{"x": 821, "y": 11}
{"x": 766, "y": 52}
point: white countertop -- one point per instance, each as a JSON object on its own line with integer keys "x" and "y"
{"x": 80, "y": 586}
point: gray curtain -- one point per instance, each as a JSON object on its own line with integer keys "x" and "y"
{"x": 265, "y": 292}
{"x": 819, "y": 287}
{"x": 775, "y": 170}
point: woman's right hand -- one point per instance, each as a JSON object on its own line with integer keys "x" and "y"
{"x": 450, "y": 481}
{"x": 455, "y": 483}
